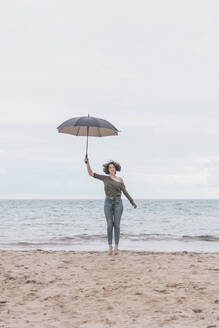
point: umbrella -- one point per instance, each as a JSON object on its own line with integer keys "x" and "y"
{"x": 88, "y": 126}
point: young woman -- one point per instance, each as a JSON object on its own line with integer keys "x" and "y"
{"x": 113, "y": 205}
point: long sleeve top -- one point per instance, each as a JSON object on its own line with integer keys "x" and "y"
{"x": 113, "y": 188}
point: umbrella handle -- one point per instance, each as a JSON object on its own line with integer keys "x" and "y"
{"x": 87, "y": 143}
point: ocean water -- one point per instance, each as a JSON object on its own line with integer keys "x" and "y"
{"x": 155, "y": 225}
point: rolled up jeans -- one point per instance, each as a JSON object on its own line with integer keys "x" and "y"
{"x": 113, "y": 209}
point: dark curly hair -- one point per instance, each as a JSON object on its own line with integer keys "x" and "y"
{"x": 106, "y": 166}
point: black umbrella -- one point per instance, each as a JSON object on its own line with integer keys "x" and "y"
{"x": 88, "y": 126}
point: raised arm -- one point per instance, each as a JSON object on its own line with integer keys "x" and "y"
{"x": 90, "y": 172}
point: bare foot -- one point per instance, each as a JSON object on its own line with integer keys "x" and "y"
{"x": 110, "y": 251}
{"x": 116, "y": 250}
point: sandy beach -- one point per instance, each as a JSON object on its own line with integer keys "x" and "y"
{"x": 94, "y": 290}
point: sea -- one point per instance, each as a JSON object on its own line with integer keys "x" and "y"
{"x": 161, "y": 225}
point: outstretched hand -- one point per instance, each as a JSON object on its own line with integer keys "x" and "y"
{"x": 135, "y": 205}
{"x": 86, "y": 160}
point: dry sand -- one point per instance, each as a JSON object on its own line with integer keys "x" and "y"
{"x": 93, "y": 289}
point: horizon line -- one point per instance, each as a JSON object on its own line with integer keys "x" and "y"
{"x": 73, "y": 198}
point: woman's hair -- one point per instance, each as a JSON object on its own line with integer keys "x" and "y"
{"x": 106, "y": 166}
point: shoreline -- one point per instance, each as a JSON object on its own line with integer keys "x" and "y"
{"x": 45, "y": 289}
{"x": 105, "y": 251}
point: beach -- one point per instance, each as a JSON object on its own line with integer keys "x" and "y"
{"x": 92, "y": 289}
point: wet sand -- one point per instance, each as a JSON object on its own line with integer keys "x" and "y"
{"x": 69, "y": 289}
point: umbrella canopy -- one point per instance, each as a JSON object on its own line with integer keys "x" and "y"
{"x": 88, "y": 126}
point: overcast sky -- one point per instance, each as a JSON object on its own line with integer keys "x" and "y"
{"x": 151, "y": 68}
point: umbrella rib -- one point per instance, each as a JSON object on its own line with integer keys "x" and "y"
{"x": 99, "y": 131}
{"x": 98, "y": 128}
{"x": 78, "y": 130}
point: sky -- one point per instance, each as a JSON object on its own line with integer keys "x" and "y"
{"x": 150, "y": 68}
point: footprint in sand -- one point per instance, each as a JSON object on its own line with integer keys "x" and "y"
{"x": 161, "y": 290}
{"x": 197, "y": 310}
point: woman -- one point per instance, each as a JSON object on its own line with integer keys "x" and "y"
{"x": 113, "y": 205}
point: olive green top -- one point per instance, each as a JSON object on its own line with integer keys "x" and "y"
{"x": 113, "y": 188}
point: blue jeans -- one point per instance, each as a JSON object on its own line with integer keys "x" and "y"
{"x": 113, "y": 210}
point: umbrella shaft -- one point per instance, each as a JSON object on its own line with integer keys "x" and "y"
{"x": 87, "y": 140}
